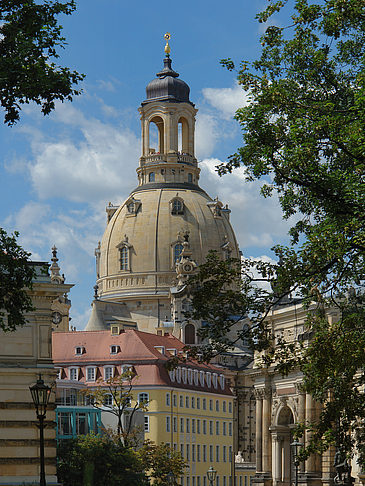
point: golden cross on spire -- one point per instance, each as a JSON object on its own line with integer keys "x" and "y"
{"x": 167, "y": 37}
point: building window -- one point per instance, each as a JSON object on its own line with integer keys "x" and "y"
{"x": 204, "y": 453}
{"x": 230, "y": 428}
{"x": 174, "y": 424}
{"x": 201, "y": 377}
{"x": 187, "y": 402}
{"x": 190, "y": 376}
{"x": 167, "y": 399}
{"x": 108, "y": 400}
{"x": 222, "y": 381}
{"x": 217, "y": 427}
{"x": 108, "y": 372}
{"x": 190, "y": 177}
{"x": 188, "y": 426}
{"x": 178, "y": 375}
{"x": 64, "y": 423}
{"x": 215, "y": 380}
{"x": 211, "y": 427}
{"x": 224, "y": 453}
{"x": 193, "y": 426}
{"x": 178, "y": 248}
{"x": 208, "y": 378}
{"x": 91, "y": 374}
{"x": 79, "y": 350}
{"x": 181, "y": 425}
{"x": 230, "y": 407}
{"x": 224, "y": 406}
{"x": 143, "y": 398}
{"x": 192, "y": 402}
{"x": 74, "y": 374}
{"x": 124, "y": 258}
{"x": 224, "y": 428}
{"x": 181, "y": 401}
{"x": 210, "y": 405}
{"x": 184, "y": 374}
{"x": 196, "y": 377}
{"x": 204, "y": 426}
{"x": 177, "y": 206}
{"x": 182, "y": 450}
{"x": 188, "y": 452}
{"x": 198, "y": 453}
{"x": 174, "y": 400}
{"x": 146, "y": 423}
{"x": 211, "y": 458}
{"x": 198, "y": 403}
{"x": 217, "y": 405}
{"x": 204, "y": 404}
{"x": 168, "y": 424}
{"x": 114, "y": 349}
{"x": 193, "y": 452}
{"x": 151, "y": 177}
{"x": 189, "y": 332}
{"x": 198, "y": 426}
{"x": 217, "y": 453}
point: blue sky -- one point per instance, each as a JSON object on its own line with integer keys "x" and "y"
{"x": 58, "y": 173}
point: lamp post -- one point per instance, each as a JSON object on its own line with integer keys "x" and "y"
{"x": 40, "y": 394}
{"x": 211, "y": 474}
{"x": 171, "y": 479}
{"x": 295, "y": 446}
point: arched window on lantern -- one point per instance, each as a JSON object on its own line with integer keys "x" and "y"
{"x": 151, "y": 177}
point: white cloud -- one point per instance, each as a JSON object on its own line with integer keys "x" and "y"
{"x": 256, "y": 220}
{"x": 99, "y": 166}
{"x": 206, "y": 135}
{"x": 226, "y": 100}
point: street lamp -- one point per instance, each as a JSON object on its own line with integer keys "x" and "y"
{"x": 171, "y": 479}
{"x": 40, "y": 394}
{"x": 211, "y": 474}
{"x": 295, "y": 446}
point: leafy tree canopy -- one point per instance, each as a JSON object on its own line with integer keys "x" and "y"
{"x": 160, "y": 460}
{"x": 303, "y": 137}
{"x": 15, "y": 278}
{"x": 30, "y": 39}
{"x": 98, "y": 460}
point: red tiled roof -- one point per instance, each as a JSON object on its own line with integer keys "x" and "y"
{"x": 136, "y": 347}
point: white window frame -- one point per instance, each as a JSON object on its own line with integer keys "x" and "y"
{"x": 109, "y": 398}
{"x": 114, "y": 348}
{"x": 112, "y": 374}
{"x": 94, "y": 368}
{"x": 222, "y": 381}
{"x": 79, "y": 350}
{"x": 208, "y": 378}
{"x": 70, "y": 370}
{"x": 215, "y": 380}
{"x": 146, "y": 423}
{"x": 178, "y": 374}
{"x": 140, "y": 400}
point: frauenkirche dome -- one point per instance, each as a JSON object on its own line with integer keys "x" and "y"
{"x": 166, "y": 217}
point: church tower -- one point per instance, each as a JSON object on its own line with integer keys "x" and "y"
{"x": 166, "y": 219}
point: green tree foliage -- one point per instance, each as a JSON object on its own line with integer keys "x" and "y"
{"x": 159, "y": 460}
{"x": 115, "y": 396}
{"x": 15, "y": 278}
{"x": 98, "y": 460}
{"x": 30, "y": 39}
{"x": 303, "y": 137}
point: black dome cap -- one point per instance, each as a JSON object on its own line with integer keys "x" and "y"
{"x": 166, "y": 87}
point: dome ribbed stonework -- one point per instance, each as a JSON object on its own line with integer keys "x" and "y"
{"x": 151, "y": 235}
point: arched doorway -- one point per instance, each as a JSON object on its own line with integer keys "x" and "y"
{"x": 281, "y": 435}
{"x": 189, "y": 334}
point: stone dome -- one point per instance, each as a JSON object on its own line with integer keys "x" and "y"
{"x": 151, "y": 234}
{"x": 167, "y": 86}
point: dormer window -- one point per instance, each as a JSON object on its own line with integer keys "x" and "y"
{"x": 79, "y": 350}
{"x": 215, "y": 380}
{"x": 222, "y": 381}
{"x": 177, "y": 206}
{"x": 196, "y": 377}
{"x": 114, "y": 349}
{"x": 160, "y": 349}
{"x": 133, "y": 206}
{"x": 114, "y": 331}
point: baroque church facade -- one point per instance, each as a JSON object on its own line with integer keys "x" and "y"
{"x": 166, "y": 226}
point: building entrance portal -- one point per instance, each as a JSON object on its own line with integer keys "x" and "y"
{"x": 283, "y": 463}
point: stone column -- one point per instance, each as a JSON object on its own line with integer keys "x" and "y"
{"x": 266, "y": 434}
{"x": 301, "y": 418}
{"x": 310, "y": 462}
{"x": 278, "y": 457}
{"x": 258, "y": 396}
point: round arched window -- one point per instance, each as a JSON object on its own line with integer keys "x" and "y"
{"x": 189, "y": 334}
{"x": 178, "y": 248}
